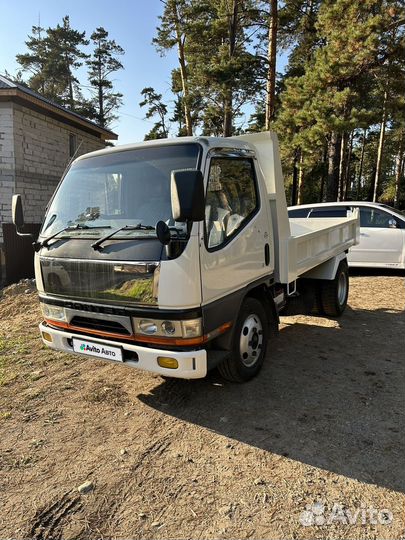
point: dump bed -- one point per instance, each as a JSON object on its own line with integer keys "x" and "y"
{"x": 299, "y": 244}
{"x": 314, "y": 241}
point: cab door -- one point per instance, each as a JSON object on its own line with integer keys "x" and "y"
{"x": 236, "y": 248}
{"x": 381, "y": 239}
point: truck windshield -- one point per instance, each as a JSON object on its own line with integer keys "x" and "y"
{"x": 109, "y": 191}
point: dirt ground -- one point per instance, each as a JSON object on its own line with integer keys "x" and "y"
{"x": 312, "y": 448}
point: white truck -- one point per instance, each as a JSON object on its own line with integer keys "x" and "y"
{"x": 176, "y": 256}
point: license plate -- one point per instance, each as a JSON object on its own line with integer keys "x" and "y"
{"x": 99, "y": 350}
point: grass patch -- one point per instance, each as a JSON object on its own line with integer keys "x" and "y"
{"x": 108, "y": 395}
{"x": 10, "y": 347}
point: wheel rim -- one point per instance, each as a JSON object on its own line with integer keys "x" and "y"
{"x": 251, "y": 340}
{"x": 342, "y": 288}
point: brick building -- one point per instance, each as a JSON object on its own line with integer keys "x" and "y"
{"x": 38, "y": 138}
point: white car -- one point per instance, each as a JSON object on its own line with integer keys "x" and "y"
{"x": 382, "y": 231}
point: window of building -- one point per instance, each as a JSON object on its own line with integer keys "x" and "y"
{"x": 232, "y": 199}
{"x": 72, "y": 144}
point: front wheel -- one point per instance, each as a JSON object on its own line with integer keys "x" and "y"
{"x": 249, "y": 343}
{"x": 334, "y": 292}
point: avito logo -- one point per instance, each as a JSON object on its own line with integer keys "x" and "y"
{"x": 92, "y": 349}
{"x": 89, "y": 348}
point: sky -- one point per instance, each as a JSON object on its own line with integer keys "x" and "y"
{"x": 132, "y": 24}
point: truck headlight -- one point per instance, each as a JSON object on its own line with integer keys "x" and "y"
{"x": 167, "y": 328}
{"x": 192, "y": 328}
{"x": 55, "y": 313}
{"x": 147, "y": 327}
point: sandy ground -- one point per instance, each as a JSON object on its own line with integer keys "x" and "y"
{"x": 312, "y": 448}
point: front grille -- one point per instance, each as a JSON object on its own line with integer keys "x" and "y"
{"x": 100, "y": 325}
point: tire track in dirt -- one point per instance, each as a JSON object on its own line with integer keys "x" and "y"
{"x": 49, "y": 521}
{"x": 164, "y": 429}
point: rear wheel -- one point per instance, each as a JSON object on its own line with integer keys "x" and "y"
{"x": 334, "y": 293}
{"x": 249, "y": 343}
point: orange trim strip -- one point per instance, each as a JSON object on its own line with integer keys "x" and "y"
{"x": 158, "y": 340}
{"x": 161, "y": 340}
{"x": 68, "y": 326}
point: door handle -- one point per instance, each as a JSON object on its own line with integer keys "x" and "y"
{"x": 267, "y": 254}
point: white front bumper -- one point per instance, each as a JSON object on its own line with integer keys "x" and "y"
{"x": 192, "y": 364}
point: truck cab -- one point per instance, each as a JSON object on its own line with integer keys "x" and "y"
{"x": 175, "y": 256}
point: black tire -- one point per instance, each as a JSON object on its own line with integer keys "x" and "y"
{"x": 249, "y": 343}
{"x": 334, "y": 292}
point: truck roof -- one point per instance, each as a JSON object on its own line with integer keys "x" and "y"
{"x": 210, "y": 142}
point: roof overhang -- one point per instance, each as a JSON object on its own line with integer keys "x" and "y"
{"x": 58, "y": 113}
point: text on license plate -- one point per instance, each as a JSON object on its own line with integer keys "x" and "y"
{"x": 99, "y": 350}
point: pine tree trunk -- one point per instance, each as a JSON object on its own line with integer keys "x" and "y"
{"x": 70, "y": 84}
{"x": 272, "y": 59}
{"x": 363, "y": 147}
{"x": 332, "y": 183}
{"x": 294, "y": 187}
{"x": 228, "y": 89}
{"x": 399, "y": 169}
{"x": 228, "y": 114}
{"x": 101, "y": 119}
{"x": 323, "y": 177}
{"x": 380, "y": 148}
{"x": 183, "y": 72}
{"x": 347, "y": 169}
{"x": 301, "y": 180}
{"x": 342, "y": 166}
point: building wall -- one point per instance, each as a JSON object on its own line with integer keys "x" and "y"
{"x": 41, "y": 146}
{"x": 7, "y": 162}
{"x": 34, "y": 152}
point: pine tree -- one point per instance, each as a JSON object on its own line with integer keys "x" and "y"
{"x": 102, "y": 63}
{"x": 52, "y": 60}
{"x": 156, "y": 108}
{"x": 173, "y": 33}
{"x": 64, "y": 58}
{"x": 35, "y": 60}
{"x": 272, "y": 57}
{"x": 337, "y": 83}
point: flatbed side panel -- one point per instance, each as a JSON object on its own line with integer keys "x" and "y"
{"x": 320, "y": 242}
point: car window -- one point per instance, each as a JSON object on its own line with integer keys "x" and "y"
{"x": 373, "y": 217}
{"x": 231, "y": 198}
{"x": 298, "y": 212}
{"x": 328, "y": 211}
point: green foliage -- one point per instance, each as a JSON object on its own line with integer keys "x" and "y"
{"x": 53, "y": 58}
{"x": 221, "y": 70}
{"x": 156, "y": 108}
{"x": 101, "y": 65}
{"x": 338, "y": 88}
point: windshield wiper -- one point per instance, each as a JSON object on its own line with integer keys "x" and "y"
{"x": 97, "y": 245}
{"x": 45, "y": 242}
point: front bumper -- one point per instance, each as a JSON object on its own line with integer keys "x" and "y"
{"x": 192, "y": 364}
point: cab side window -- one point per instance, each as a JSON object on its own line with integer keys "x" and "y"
{"x": 231, "y": 199}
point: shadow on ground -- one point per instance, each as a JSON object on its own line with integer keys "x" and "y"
{"x": 332, "y": 397}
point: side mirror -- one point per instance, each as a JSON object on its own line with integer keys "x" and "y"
{"x": 187, "y": 193}
{"x": 17, "y": 212}
{"x": 18, "y": 215}
{"x": 163, "y": 232}
{"x": 392, "y": 224}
